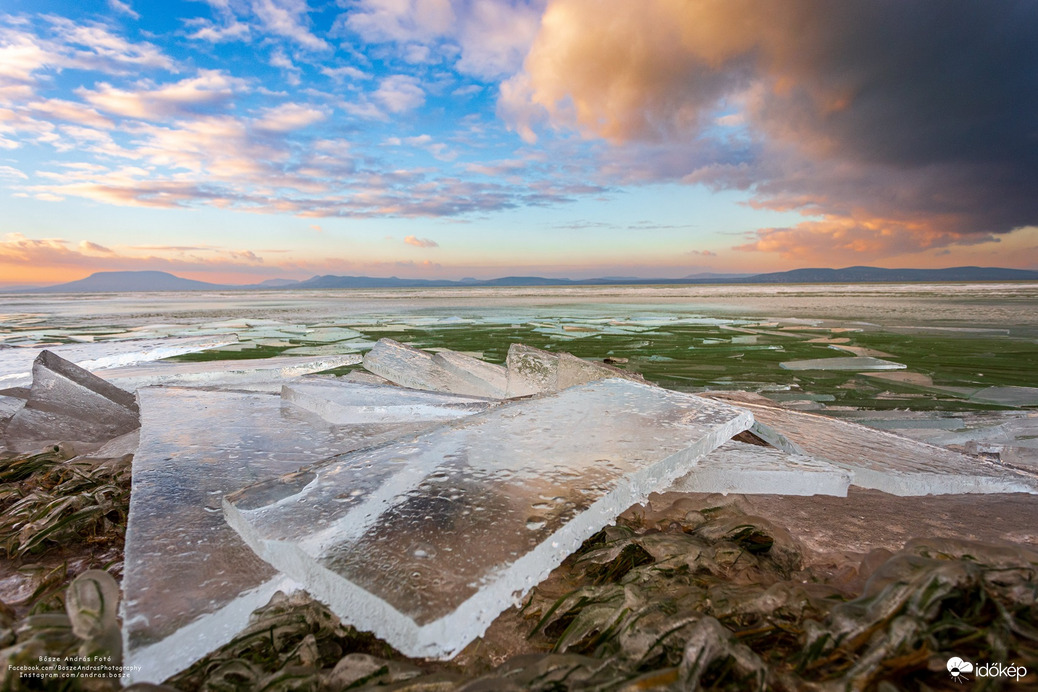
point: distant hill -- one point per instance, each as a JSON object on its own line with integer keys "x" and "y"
{"x": 103, "y": 282}
{"x": 878, "y": 274}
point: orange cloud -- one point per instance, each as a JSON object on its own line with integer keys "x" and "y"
{"x": 420, "y": 242}
{"x": 894, "y": 134}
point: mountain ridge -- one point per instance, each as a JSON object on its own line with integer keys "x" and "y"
{"x": 154, "y": 281}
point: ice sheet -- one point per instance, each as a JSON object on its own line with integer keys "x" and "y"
{"x": 425, "y": 542}
{"x": 885, "y": 461}
{"x": 856, "y": 363}
{"x": 224, "y": 372}
{"x": 352, "y": 403}
{"x": 16, "y": 363}
{"x": 738, "y": 467}
{"x": 189, "y": 582}
{"x": 1008, "y": 396}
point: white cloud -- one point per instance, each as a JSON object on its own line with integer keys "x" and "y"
{"x": 123, "y": 8}
{"x": 400, "y": 93}
{"x": 288, "y": 117}
{"x": 288, "y": 18}
{"x": 148, "y": 103}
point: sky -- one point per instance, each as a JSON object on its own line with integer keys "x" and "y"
{"x": 235, "y": 141}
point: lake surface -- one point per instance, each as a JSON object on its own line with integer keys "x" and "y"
{"x": 953, "y": 340}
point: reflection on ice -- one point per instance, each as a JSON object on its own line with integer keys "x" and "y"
{"x": 426, "y": 541}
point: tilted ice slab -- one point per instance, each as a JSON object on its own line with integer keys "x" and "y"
{"x": 425, "y": 542}
{"x": 352, "y": 403}
{"x": 451, "y": 374}
{"x": 16, "y": 363}
{"x": 224, "y": 372}
{"x": 748, "y": 469}
{"x": 189, "y": 582}
{"x": 69, "y": 404}
{"x": 857, "y": 363}
{"x": 884, "y": 461}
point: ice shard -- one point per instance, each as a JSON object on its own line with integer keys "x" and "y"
{"x": 68, "y": 404}
{"x": 884, "y": 461}
{"x": 353, "y": 403}
{"x": 224, "y": 372}
{"x": 189, "y": 582}
{"x": 748, "y": 469}
{"x": 483, "y": 378}
{"x": 448, "y": 372}
{"x": 425, "y": 542}
{"x": 855, "y": 363}
{"x": 533, "y": 371}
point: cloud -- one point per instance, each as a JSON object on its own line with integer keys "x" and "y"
{"x": 489, "y": 37}
{"x": 89, "y": 248}
{"x": 400, "y": 93}
{"x": 208, "y": 88}
{"x": 420, "y": 242}
{"x": 893, "y": 125}
{"x": 288, "y": 117}
{"x": 293, "y": 75}
{"x": 288, "y": 18}
{"x": 123, "y": 8}
{"x": 702, "y": 253}
{"x": 91, "y": 46}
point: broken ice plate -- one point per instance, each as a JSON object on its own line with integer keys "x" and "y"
{"x": 189, "y": 582}
{"x": 425, "y": 542}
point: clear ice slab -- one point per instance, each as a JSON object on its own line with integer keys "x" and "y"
{"x": 224, "y": 372}
{"x": 69, "y": 404}
{"x": 855, "y": 363}
{"x": 425, "y": 542}
{"x": 189, "y": 581}
{"x": 353, "y": 403}
{"x": 881, "y": 460}
{"x": 749, "y": 469}
{"x": 417, "y": 369}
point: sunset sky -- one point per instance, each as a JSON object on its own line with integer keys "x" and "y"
{"x": 242, "y": 140}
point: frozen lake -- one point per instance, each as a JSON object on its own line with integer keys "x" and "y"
{"x": 918, "y": 346}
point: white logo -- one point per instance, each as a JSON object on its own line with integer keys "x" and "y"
{"x": 957, "y": 667}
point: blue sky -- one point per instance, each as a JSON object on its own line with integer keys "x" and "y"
{"x": 239, "y": 140}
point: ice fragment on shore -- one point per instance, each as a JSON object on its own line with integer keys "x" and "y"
{"x": 190, "y": 582}
{"x": 884, "y": 461}
{"x": 738, "y": 467}
{"x": 533, "y": 371}
{"x": 224, "y": 372}
{"x": 68, "y": 404}
{"x": 417, "y": 369}
{"x": 352, "y": 403}
{"x": 425, "y": 542}
{"x": 856, "y": 363}
{"x": 483, "y": 378}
